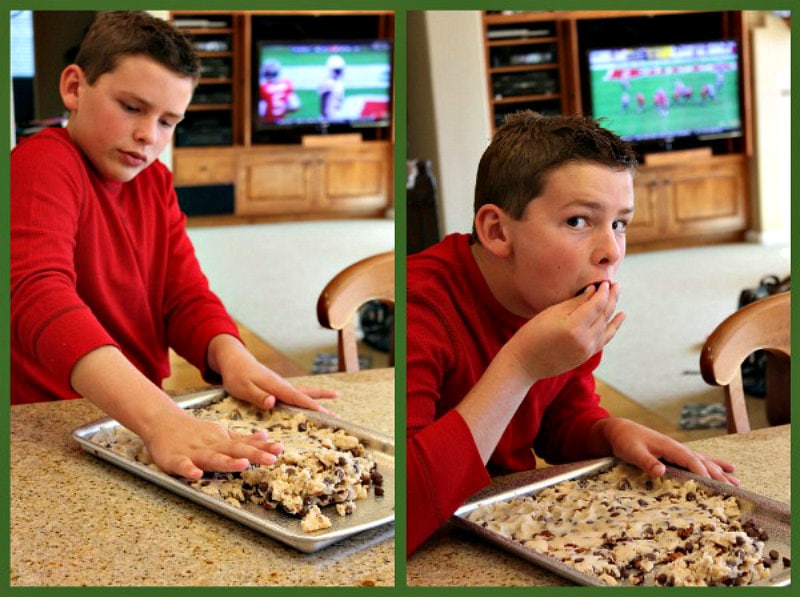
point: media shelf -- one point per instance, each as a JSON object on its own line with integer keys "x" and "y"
{"x": 213, "y": 118}
{"x": 524, "y": 62}
{"x": 684, "y": 196}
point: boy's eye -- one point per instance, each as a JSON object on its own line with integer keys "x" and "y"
{"x": 129, "y": 107}
{"x": 577, "y": 222}
{"x": 620, "y": 225}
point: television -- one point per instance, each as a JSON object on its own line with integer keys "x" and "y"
{"x": 669, "y": 95}
{"x": 317, "y": 87}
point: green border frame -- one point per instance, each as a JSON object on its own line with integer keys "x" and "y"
{"x": 400, "y": 110}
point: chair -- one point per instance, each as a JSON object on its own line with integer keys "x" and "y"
{"x": 367, "y": 280}
{"x": 761, "y": 325}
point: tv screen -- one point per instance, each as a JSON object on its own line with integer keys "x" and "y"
{"x": 314, "y": 85}
{"x": 667, "y": 92}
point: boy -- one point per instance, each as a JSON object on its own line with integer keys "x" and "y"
{"x": 103, "y": 276}
{"x": 505, "y": 326}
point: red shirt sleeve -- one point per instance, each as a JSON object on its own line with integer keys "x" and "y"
{"x": 48, "y": 319}
{"x": 444, "y": 467}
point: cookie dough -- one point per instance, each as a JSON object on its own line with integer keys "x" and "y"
{"x": 319, "y": 465}
{"x": 628, "y": 529}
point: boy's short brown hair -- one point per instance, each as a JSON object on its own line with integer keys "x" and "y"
{"x": 117, "y": 34}
{"x": 528, "y": 146}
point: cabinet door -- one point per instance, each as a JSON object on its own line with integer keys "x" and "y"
{"x": 647, "y": 224}
{"x": 275, "y": 183}
{"x": 355, "y": 178}
{"x": 204, "y": 166}
{"x": 708, "y": 198}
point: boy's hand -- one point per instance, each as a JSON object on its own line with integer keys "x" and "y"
{"x": 246, "y": 378}
{"x": 567, "y": 334}
{"x": 186, "y": 446}
{"x": 644, "y": 447}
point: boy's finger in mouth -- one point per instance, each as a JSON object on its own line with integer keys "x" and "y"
{"x": 585, "y": 288}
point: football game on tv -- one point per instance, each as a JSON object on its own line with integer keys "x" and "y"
{"x": 325, "y": 82}
{"x": 667, "y": 92}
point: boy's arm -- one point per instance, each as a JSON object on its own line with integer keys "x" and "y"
{"x": 555, "y": 341}
{"x": 179, "y": 443}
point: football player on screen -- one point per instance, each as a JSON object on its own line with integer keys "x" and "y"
{"x": 277, "y": 97}
{"x": 331, "y": 90}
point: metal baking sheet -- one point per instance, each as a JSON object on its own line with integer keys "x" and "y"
{"x": 770, "y": 515}
{"x": 370, "y": 513}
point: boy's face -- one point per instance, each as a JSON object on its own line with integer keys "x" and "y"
{"x": 125, "y": 119}
{"x": 571, "y": 236}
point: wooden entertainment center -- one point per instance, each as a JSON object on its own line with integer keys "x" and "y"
{"x": 325, "y": 176}
{"x": 687, "y": 197}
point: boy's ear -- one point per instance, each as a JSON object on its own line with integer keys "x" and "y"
{"x": 69, "y": 85}
{"x": 490, "y": 228}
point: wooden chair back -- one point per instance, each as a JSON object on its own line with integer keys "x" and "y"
{"x": 761, "y": 325}
{"x": 366, "y": 280}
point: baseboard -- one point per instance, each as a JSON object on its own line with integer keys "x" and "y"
{"x": 768, "y": 237}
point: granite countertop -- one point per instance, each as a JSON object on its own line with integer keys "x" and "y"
{"x": 455, "y": 557}
{"x": 76, "y": 520}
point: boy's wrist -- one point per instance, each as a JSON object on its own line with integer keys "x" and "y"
{"x": 220, "y": 349}
{"x": 601, "y": 440}
{"x": 512, "y": 364}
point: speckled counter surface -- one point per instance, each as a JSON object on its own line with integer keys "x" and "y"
{"x": 76, "y": 520}
{"x": 454, "y": 557}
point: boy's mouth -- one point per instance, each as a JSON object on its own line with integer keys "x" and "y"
{"x": 595, "y": 284}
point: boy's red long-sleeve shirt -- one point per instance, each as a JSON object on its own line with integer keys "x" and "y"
{"x": 95, "y": 263}
{"x": 455, "y": 327}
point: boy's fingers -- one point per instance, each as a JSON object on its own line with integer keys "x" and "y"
{"x": 613, "y": 327}
{"x": 184, "y": 467}
{"x": 318, "y": 392}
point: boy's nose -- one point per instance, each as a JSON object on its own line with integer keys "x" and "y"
{"x": 610, "y": 249}
{"x": 145, "y": 131}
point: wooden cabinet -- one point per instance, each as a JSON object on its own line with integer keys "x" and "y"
{"x": 689, "y": 203}
{"x": 320, "y": 181}
{"x": 537, "y": 60}
{"x": 215, "y": 144}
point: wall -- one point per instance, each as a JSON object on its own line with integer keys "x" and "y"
{"x": 56, "y": 35}
{"x": 448, "y": 111}
{"x": 771, "y": 185}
